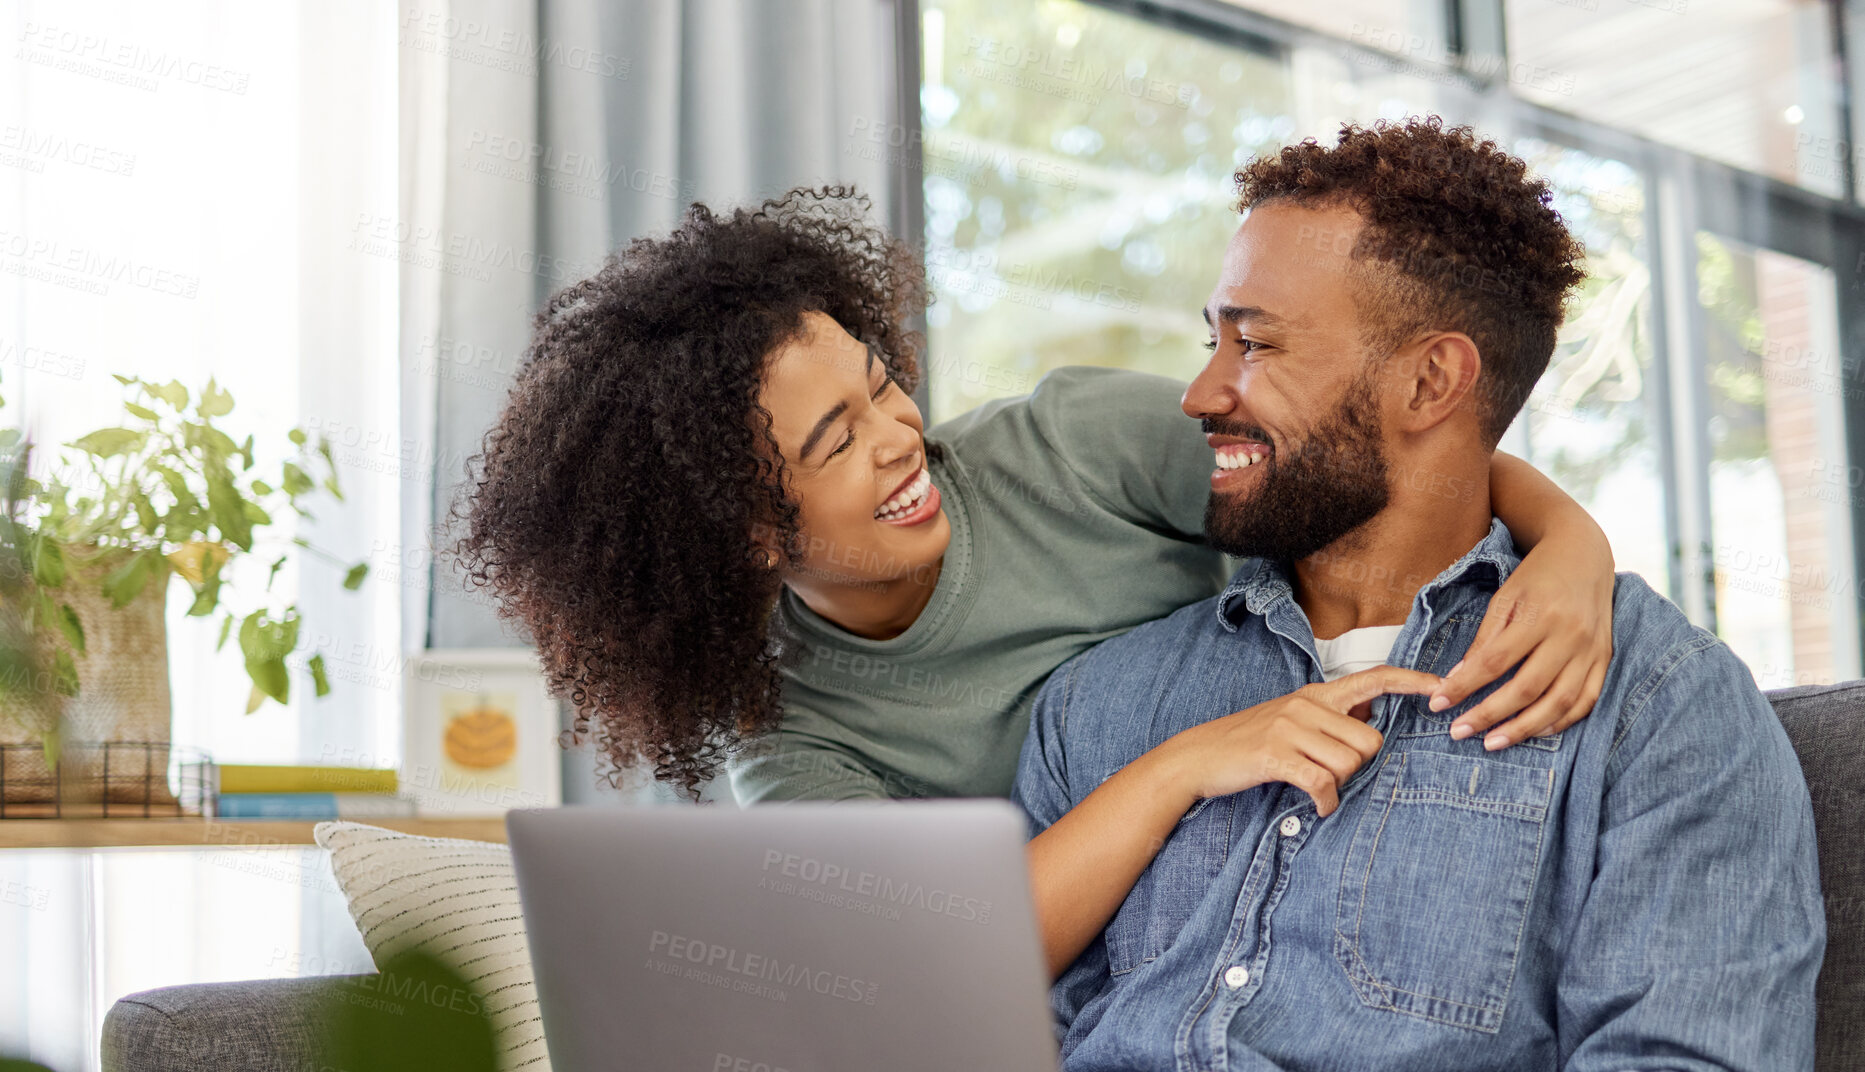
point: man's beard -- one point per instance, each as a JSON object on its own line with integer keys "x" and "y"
{"x": 1314, "y": 492}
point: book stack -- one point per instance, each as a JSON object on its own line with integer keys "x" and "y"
{"x": 316, "y": 792}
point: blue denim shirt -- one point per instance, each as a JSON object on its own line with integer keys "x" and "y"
{"x": 1639, "y": 891}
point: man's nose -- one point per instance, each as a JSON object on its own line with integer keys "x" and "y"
{"x": 1214, "y": 391}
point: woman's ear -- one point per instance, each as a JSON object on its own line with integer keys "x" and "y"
{"x": 1442, "y": 379}
{"x": 765, "y": 541}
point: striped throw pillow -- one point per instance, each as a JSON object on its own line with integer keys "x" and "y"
{"x": 454, "y": 899}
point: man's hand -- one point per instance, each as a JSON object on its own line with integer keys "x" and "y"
{"x": 1313, "y": 738}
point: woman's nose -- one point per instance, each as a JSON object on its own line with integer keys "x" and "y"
{"x": 902, "y": 442}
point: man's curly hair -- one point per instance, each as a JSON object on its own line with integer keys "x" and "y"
{"x": 618, "y": 493}
{"x": 1457, "y": 237}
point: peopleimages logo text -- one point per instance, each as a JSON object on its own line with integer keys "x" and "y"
{"x": 758, "y": 966}
{"x": 868, "y": 884}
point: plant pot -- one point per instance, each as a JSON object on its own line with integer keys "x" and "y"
{"x": 123, "y": 695}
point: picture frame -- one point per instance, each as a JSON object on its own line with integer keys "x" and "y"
{"x": 479, "y": 733}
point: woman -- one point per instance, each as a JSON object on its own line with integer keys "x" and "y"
{"x": 715, "y": 507}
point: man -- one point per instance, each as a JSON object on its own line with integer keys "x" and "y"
{"x": 1637, "y": 892}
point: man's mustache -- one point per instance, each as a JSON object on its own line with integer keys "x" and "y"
{"x": 1240, "y": 429}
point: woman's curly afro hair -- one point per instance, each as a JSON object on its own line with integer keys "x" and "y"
{"x": 617, "y": 495}
{"x": 1458, "y": 237}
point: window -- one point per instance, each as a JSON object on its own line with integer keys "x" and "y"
{"x": 1746, "y": 82}
{"x": 1077, "y": 189}
{"x": 181, "y": 189}
{"x": 1404, "y": 27}
{"x": 1594, "y": 422}
{"x": 1783, "y": 598}
{"x": 1078, "y": 168}
{"x": 181, "y": 184}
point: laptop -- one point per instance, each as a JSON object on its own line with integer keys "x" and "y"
{"x": 847, "y": 937}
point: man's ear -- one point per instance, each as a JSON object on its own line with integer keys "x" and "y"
{"x": 1442, "y": 376}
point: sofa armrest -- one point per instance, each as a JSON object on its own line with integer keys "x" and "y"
{"x": 263, "y": 1025}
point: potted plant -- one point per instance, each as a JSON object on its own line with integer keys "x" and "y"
{"x": 167, "y": 491}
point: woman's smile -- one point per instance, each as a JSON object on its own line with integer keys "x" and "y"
{"x": 914, "y": 502}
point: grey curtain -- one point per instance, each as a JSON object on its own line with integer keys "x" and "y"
{"x": 541, "y": 134}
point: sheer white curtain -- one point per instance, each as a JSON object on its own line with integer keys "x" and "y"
{"x": 545, "y": 133}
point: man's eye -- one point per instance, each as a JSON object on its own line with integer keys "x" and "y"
{"x": 886, "y": 382}
{"x": 1250, "y": 346}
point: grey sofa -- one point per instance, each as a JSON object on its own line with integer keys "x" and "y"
{"x": 270, "y": 1025}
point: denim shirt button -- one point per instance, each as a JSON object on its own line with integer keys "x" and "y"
{"x": 1236, "y": 977}
{"x": 1291, "y": 826}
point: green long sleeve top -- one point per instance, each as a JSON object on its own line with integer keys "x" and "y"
{"x": 1077, "y": 513}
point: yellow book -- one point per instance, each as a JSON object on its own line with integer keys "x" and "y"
{"x": 250, "y": 778}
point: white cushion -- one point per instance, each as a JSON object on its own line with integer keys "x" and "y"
{"x": 454, "y": 899}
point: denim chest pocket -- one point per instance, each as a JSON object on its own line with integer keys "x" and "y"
{"x": 1161, "y": 902}
{"x": 1437, "y": 882}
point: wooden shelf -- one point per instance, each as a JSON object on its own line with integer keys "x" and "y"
{"x": 215, "y": 833}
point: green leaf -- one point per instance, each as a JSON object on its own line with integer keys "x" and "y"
{"x": 177, "y": 484}
{"x": 271, "y": 678}
{"x": 318, "y": 677}
{"x": 255, "y": 513}
{"x": 73, "y": 629}
{"x": 184, "y": 523}
{"x": 354, "y": 579}
{"x": 109, "y": 442}
{"x": 54, "y": 743}
{"x": 145, "y": 514}
{"x": 284, "y": 633}
{"x": 127, "y": 581}
{"x": 226, "y": 626}
{"x": 403, "y": 1019}
{"x": 64, "y": 674}
{"x": 297, "y": 436}
{"x": 183, "y": 519}
{"x": 265, "y": 643}
{"x": 296, "y": 482}
{"x": 273, "y": 572}
{"x": 260, "y": 487}
{"x": 48, "y": 561}
{"x": 246, "y": 451}
{"x": 124, "y": 380}
{"x": 208, "y": 597}
{"x": 213, "y": 444}
{"x": 215, "y": 401}
{"x": 330, "y": 484}
{"x": 227, "y": 508}
{"x": 254, "y": 698}
{"x": 144, "y": 412}
{"x": 173, "y": 393}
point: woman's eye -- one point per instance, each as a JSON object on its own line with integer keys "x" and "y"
{"x": 846, "y": 443}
